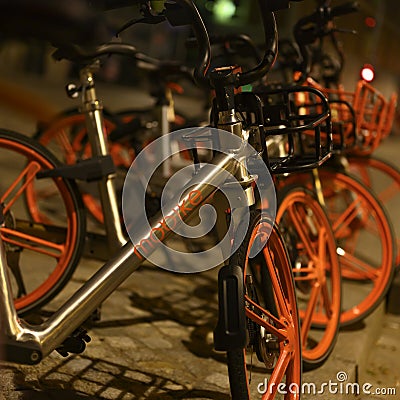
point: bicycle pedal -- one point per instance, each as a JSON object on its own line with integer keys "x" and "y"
{"x": 76, "y": 343}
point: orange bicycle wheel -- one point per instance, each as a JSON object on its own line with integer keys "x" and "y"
{"x": 364, "y": 238}
{"x": 312, "y": 248}
{"x": 384, "y": 179}
{"x": 273, "y": 354}
{"x": 41, "y": 255}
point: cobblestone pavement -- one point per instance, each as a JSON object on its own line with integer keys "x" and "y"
{"x": 153, "y": 341}
{"x": 382, "y": 371}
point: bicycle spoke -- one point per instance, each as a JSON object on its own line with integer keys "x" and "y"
{"x": 322, "y": 247}
{"x": 65, "y": 144}
{"x": 25, "y": 177}
{"x": 278, "y": 290}
{"x": 365, "y": 177}
{"x": 299, "y": 225}
{"x": 33, "y": 243}
{"x": 388, "y": 193}
{"x": 306, "y": 320}
{"x": 307, "y": 273}
{"x": 326, "y": 300}
{"x": 364, "y": 270}
{"x": 343, "y": 222}
{"x": 275, "y": 327}
{"x": 324, "y": 264}
{"x": 277, "y": 375}
{"x": 370, "y": 226}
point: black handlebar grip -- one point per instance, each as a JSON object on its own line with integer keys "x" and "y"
{"x": 346, "y": 8}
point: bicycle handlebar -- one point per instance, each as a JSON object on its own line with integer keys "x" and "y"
{"x": 200, "y": 31}
{"x": 316, "y": 25}
{"x": 267, "y": 8}
{"x": 238, "y": 38}
{"x": 192, "y": 18}
{"x": 271, "y": 48}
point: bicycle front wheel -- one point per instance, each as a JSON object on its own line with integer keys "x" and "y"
{"x": 312, "y": 249}
{"x": 41, "y": 255}
{"x": 273, "y": 354}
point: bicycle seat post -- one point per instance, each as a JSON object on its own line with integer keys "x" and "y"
{"x": 165, "y": 111}
{"x": 93, "y": 111}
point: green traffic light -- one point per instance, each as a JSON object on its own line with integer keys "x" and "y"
{"x": 224, "y": 10}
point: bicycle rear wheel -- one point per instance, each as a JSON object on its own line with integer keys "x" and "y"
{"x": 365, "y": 242}
{"x": 312, "y": 249}
{"x": 41, "y": 255}
{"x": 274, "y": 350}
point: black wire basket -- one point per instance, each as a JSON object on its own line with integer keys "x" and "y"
{"x": 298, "y": 127}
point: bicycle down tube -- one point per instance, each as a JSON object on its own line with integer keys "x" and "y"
{"x": 42, "y": 339}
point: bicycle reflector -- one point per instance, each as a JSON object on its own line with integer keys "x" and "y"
{"x": 367, "y": 72}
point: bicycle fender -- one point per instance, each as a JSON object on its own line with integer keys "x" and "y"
{"x": 230, "y": 332}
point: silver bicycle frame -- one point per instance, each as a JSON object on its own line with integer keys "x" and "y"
{"x": 93, "y": 111}
{"x": 52, "y": 333}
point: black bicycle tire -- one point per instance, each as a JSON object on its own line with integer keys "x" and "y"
{"x": 236, "y": 357}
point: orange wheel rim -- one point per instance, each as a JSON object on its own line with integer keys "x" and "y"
{"x": 285, "y": 325}
{"x": 353, "y": 264}
{"x": 62, "y": 251}
{"x": 317, "y": 274}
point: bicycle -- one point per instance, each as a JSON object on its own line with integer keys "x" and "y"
{"x": 367, "y": 121}
{"x": 355, "y": 213}
{"x": 317, "y": 356}
{"x": 128, "y": 130}
{"x": 352, "y": 209}
{"x": 25, "y": 343}
{"x": 301, "y": 219}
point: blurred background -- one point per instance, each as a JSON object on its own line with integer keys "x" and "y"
{"x": 376, "y": 42}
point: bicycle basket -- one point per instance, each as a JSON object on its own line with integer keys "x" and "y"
{"x": 344, "y": 120}
{"x": 374, "y": 114}
{"x": 297, "y": 126}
